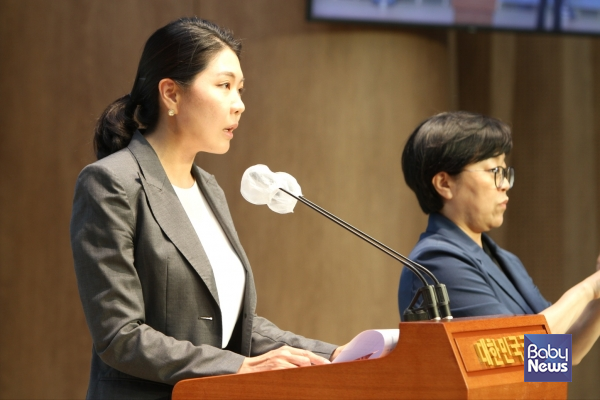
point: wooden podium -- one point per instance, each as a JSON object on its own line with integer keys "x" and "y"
{"x": 466, "y": 358}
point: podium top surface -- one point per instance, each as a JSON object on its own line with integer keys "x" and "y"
{"x": 461, "y": 358}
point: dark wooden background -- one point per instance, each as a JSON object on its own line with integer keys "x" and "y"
{"x": 330, "y": 104}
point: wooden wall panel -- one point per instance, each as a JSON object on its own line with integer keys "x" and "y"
{"x": 474, "y": 59}
{"x": 62, "y": 63}
{"x": 579, "y": 183}
{"x": 502, "y": 98}
{"x": 536, "y": 202}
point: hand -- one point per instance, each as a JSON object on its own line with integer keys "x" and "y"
{"x": 281, "y": 358}
{"x": 594, "y": 282}
{"x": 337, "y": 352}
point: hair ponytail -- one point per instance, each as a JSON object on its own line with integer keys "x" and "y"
{"x": 115, "y": 127}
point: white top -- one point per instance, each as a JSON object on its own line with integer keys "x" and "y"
{"x": 228, "y": 270}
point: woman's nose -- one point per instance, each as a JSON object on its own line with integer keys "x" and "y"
{"x": 505, "y": 184}
{"x": 238, "y": 106}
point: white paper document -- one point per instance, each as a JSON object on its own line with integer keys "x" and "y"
{"x": 370, "y": 344}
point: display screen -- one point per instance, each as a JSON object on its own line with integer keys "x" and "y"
{"x": 573, "y": 16}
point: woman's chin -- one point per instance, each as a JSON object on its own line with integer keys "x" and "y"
{"x": 219, "y": 149}
{"x": 498, "y": 222}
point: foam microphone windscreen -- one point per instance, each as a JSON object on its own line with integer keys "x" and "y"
{"x": 260, "y": 186}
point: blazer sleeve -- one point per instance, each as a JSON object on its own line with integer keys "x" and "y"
{"x": 102, "y": 238}
{"x": 470, "y": 292}
{"x": 267, "y": 336}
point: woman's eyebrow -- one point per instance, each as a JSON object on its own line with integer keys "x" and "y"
{"x": 229, "y": 73}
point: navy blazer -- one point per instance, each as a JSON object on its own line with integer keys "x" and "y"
{"x": 476, "y": 286}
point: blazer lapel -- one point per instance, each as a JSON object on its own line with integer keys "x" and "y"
{"x": 503, "y": 282}
{"x": 515, "y": 276}
{"x": 216, "y": 199}
{"x": 169, "y": 212}
{"x": 441, "y": 224}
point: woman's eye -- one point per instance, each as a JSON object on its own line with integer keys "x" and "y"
{"x": 241, "y": 91}
{"x": 226, "y": 85}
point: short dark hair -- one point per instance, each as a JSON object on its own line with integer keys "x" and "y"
{"x": 180, "y": 50}
{"x": 448, "y": 142}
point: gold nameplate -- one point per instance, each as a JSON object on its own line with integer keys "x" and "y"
{"x": 498, "y": 348}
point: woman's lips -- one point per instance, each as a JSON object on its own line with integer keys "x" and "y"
{"x": 229, "y": 130}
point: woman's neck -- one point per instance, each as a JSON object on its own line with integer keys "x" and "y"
{"x": 475, "y": 236}
{"x": 175, "y": 157}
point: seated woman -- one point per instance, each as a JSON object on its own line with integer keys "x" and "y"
{"x": 455, "y": 164}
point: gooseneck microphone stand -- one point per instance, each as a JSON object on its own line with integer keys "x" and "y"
{"x": 436, "y": 304}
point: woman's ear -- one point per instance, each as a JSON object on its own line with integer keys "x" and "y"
{"x": 169, "y": 94}
{"x": 443, "y": 182}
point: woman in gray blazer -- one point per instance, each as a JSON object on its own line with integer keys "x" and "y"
{"x": 166, "y": 287}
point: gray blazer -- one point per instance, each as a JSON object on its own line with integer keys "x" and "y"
{"x": 147, "y": 287}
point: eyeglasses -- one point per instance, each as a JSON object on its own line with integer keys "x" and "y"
{"x": 500, "y": 173}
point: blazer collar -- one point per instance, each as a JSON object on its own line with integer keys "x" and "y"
{"x": 442, "y": 225}
{"x": 515, "y": 274}
{"x": 438, "y": 224}
{"x": 171, "y": 216}
{"x": 216, "y": 199}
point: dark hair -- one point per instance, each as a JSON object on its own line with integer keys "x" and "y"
{"x": 448, "y": 142}
{"x": 179, "y": 50}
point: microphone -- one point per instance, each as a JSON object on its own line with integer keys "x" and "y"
{"x": 262, "y": 186}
